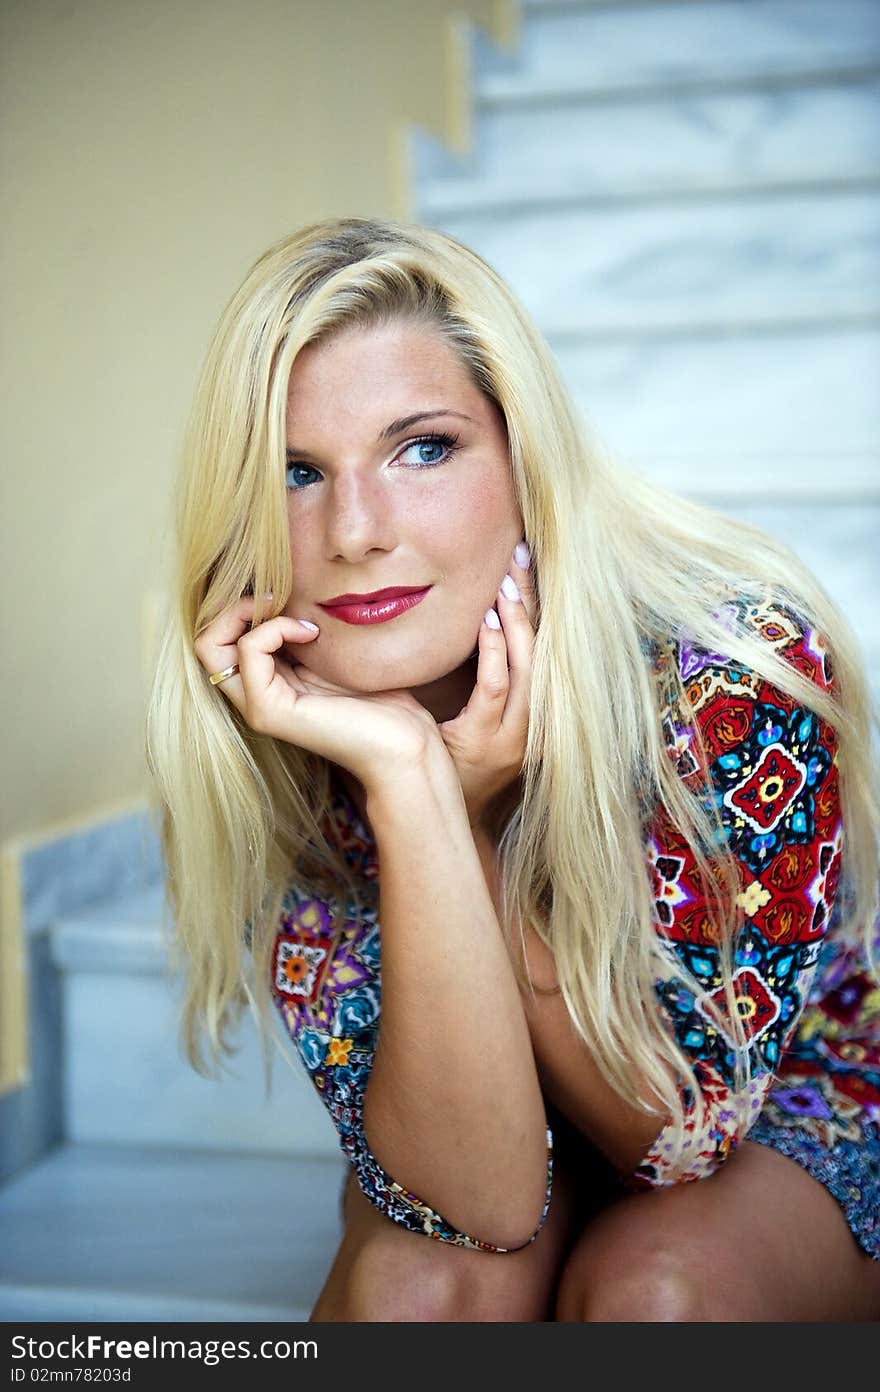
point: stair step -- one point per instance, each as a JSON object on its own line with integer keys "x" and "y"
{"x": 787, "y": 259}
{"x": 519, "y": 93}
{"x": 615, "y": 49}
{"x": 742, "y": 145}
{"x": 119, "y": 935}
{"x": 125, "y": 1076}
{"x": 790, "y": 415}
{"x": 116, "y": 1233}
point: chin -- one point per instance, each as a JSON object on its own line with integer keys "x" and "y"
{"x": 367, "y": 677}
{"x": 383, "y": 673}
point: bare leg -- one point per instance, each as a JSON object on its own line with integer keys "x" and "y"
{"x": 760, "y": 1240}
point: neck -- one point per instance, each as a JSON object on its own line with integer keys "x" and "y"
{"x": 445, "y": 697}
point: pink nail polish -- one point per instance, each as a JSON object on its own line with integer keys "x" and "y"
{"x": 491, "y": 619}
{"x": 522, "y": 555}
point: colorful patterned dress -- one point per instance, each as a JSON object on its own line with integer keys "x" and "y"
{"x": 809, "y": 1004}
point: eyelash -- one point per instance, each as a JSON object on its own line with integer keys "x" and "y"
{"x": 449, "y": 442}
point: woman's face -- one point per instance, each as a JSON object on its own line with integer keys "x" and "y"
{"x": 372, "y": 503}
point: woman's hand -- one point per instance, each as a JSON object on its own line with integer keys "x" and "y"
{"x": 487, "y": 741}
{"x": 374, "y": 736}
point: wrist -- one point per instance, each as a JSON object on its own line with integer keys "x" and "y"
{"x": 429, "y": 778}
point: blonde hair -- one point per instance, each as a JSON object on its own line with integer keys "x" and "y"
{"x": 620, "y": 565}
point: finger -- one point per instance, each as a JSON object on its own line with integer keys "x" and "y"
{"x": 520, "y": 638}
{"x": 485, "y": 707}
{"x": 257, "y": 651}
{"x": 521, "y": 570}
{"x": 216, "y": 646}
{"x": 225, "y": 630}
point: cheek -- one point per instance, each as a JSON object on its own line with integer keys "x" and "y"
{"x": 489, "y": 524}
{"x": 303, "y": 552}
{"x": 482, "y": 513}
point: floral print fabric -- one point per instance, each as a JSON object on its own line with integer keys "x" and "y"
{"x": 810, "y": 1008}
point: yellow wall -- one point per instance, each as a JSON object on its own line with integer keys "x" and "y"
{"x": 149, "y": 153}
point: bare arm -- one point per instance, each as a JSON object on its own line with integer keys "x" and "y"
{"x": 453, "y": 1106}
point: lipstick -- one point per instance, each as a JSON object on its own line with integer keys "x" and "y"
{"x": 376, "y": 608}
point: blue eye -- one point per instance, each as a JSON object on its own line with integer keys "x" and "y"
{"x": 445, "y": 442}
{"x": 448, "y": 443}
{"x": 292, "y": 469}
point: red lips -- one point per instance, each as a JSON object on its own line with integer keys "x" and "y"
{"x": 376, "y": 608}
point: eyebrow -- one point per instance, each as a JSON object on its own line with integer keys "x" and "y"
{"x": 396, "y": 427}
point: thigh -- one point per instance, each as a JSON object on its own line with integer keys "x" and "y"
{"x": 384, "y": 1272}
{"x": 759, "y": 1240}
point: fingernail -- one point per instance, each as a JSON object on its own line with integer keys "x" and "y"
{"x": 268, "y": 594}
{"x": 307, "y": 623}
{"x": 509, "y": 587}
{"x": 491, "y": 619}
{"x": 522, "y": 555}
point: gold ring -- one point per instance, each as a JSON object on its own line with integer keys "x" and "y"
{"x": 218, "y": 677}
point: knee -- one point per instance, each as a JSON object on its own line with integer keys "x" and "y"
{"x": 653, "y": 1287}
{"x": 655, "y": 1295}
{"x": 383, "y": 1288}
{"x": 383, "y": 1273}
{"x": 432, "y": 1287}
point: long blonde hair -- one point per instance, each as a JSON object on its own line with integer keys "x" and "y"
{"x": 620, "y": 565}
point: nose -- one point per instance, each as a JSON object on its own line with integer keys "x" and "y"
{"x": 360, "y": 517}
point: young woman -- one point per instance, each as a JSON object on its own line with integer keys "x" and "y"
{"x": 595, "y": 759}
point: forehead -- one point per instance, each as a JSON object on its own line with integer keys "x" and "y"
{"x": 363, "y": 372}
